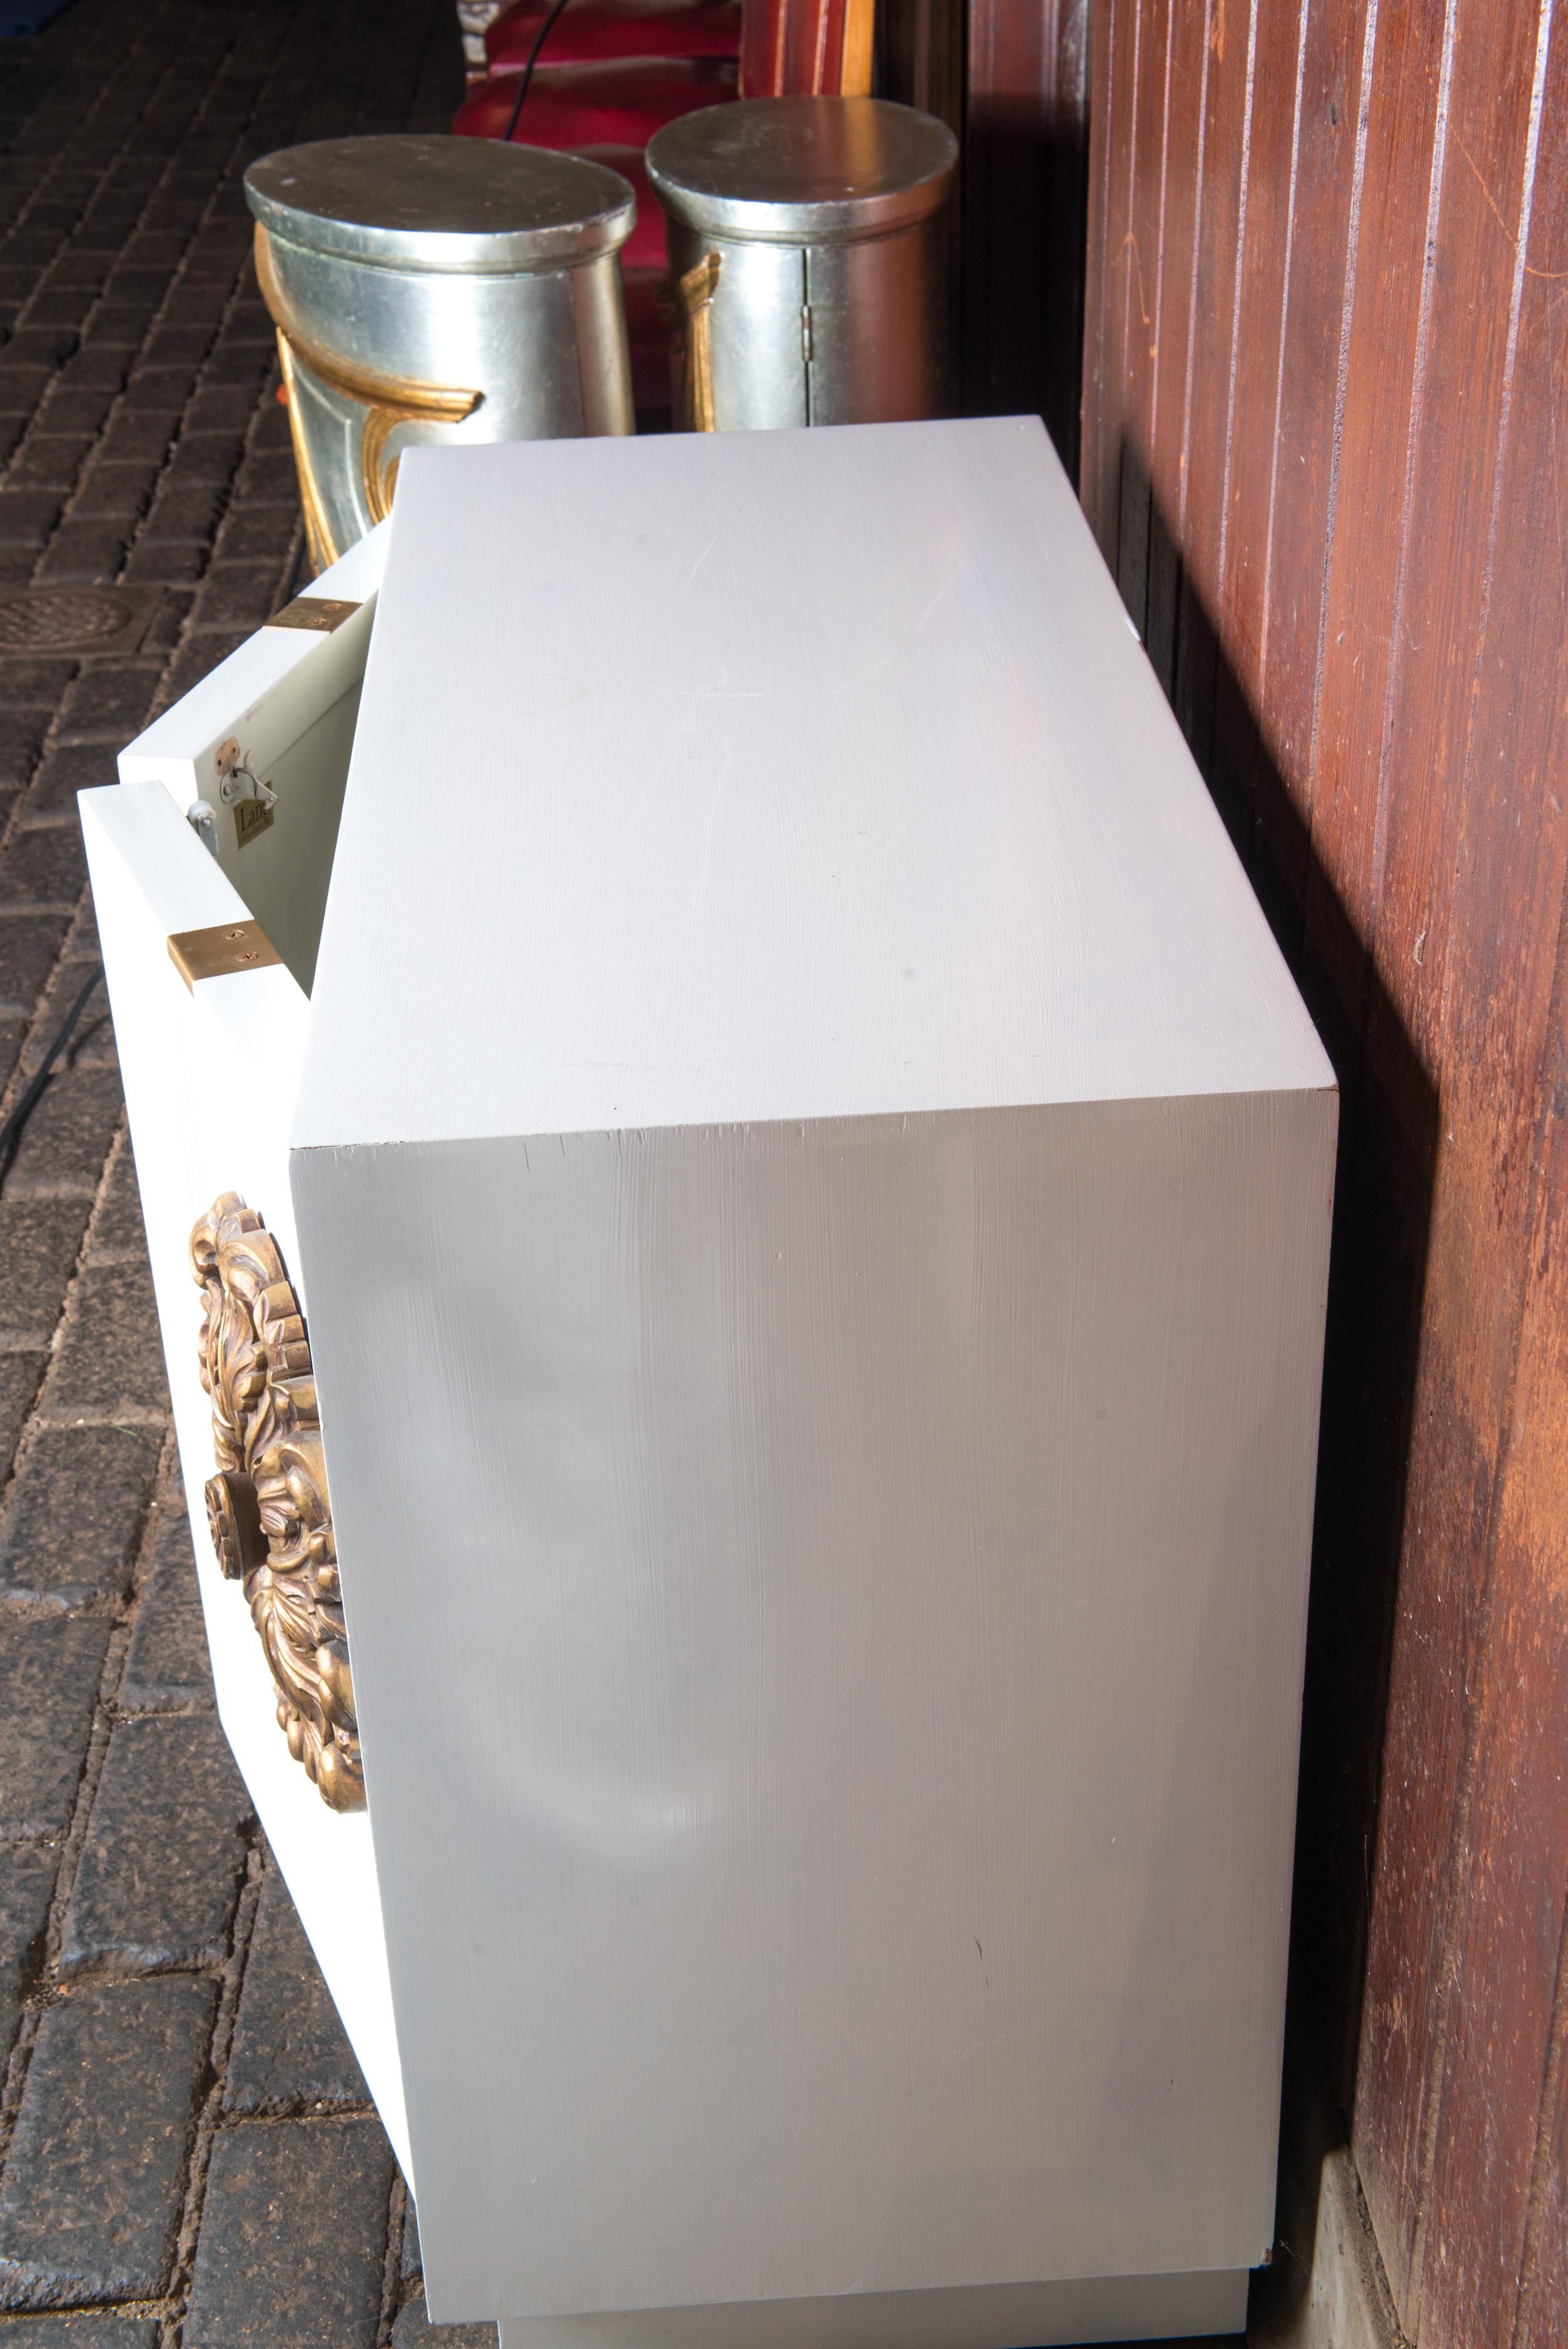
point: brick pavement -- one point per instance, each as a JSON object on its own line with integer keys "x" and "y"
{"x": 187, "y": 2152}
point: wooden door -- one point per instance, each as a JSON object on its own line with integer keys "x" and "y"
{"x": 1325, "y": 453}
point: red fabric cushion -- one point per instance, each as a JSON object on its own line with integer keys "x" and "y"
{"x": 644, "y": 248}
{"x": 619, "y": 103}
{"x": 590, "y": 29}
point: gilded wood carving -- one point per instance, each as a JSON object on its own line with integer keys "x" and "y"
{"x": 694, "y": 344}
{"x": 268, "y": 1505}
{"x": 389, "y": 401}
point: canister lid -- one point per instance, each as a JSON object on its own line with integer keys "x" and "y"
{"x": 409, "y": 202}
{"x": 797, "y": 170}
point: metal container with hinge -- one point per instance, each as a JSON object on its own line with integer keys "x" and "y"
{"x": 429, "y": 288}
{"x": 809, "y": 256}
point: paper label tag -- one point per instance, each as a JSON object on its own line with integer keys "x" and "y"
{"x": 250, "y": 819}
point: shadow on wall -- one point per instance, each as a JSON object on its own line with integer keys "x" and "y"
{"x": 1387, "y": 1140}
{"x": 1025, "y": 198}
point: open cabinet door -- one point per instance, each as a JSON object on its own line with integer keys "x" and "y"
{"x": 210, "y": 1064}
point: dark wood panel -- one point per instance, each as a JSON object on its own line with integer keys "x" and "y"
{"x": 1501, "y": 1040}
{"x": 1329, "y": 482}
{"x": 1186, "y": 59}
{"x": 1123, "y": 358}
{"x": 920, "y": 62}
{"x": 1139, "y": 207}
{"x": 1384, "y": 1169}
{"x": 1477, "y": 1264}
{"x": 1304, "y": 456}
{"x": 1446, "y": 534}
{"x": 1266, "y": 236}
{"x": 1239, "y": 768}
{"x": 1010, "y": 78}
{"x": 1543, "y": 2297}
{"x": 1099, "y": 433}
{"x": 1200, "y": 682}
{"x": 1336, "y": 113}
{"x": 1385, "y": 298}
{"x": 922, "y": 57}
{"x": 1502, "y": 1971}
{"x": 1025, "y": 155}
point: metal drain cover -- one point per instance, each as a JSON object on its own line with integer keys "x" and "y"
{"x": 83, "y": 620}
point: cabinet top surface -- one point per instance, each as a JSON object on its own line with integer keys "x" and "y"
{"x": 799, "y": 167}
{"x": 716, "y": 778}
{"x": 408, "y": 202}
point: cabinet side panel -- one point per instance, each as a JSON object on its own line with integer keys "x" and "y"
{"x": 828, "y": 1610}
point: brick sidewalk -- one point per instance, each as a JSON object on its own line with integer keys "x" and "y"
{"x": 189, "y": 2152}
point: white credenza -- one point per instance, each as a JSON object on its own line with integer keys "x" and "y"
{"x": 809, "y": 1183}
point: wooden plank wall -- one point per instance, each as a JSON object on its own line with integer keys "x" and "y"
{"x": 1010, "y": 78}
{"x": 1023, "y": 211}
{"x": 1325, "y": 451}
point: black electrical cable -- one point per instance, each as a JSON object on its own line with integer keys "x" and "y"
{"x": 540, "y": 38}
{"x": 21, "y": 1109}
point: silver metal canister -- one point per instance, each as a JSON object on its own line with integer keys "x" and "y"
{"x": 810, "y": 259}
{"x": 436, "y": 289}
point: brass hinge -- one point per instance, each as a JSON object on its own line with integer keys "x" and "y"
{"x": 222, "y": 950}
{"x": 323, "y": 612}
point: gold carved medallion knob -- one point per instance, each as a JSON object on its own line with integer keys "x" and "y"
{"x": 268, "y": 1505}
{"x": 234, "y": 1520}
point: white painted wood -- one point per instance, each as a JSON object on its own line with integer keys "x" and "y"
{"x": 994, "y": 2316}
{"x": 271, "y": 687}
{"x": 815, "y": 1183}
{"x": 210, "y": 1076}
{"x": 289, "y": 698}
{"x": 801, "y": 775}
{"x": 828, "y": 1655}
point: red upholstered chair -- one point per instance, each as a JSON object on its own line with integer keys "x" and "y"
{"x": 608, "y": 104}
{"x": 619, "y": 101}
{"x": 590, "y": 30}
